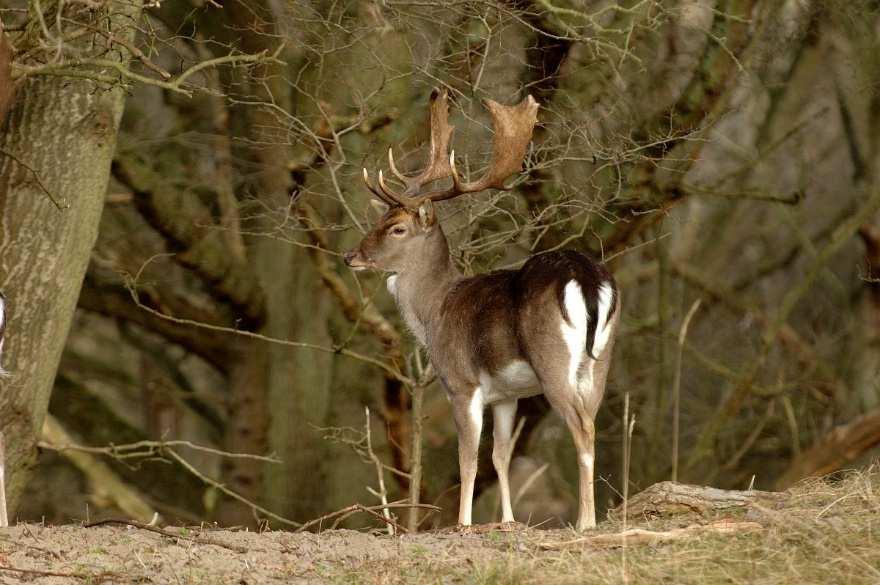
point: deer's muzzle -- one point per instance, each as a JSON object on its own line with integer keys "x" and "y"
{"x": 354, "y": 259}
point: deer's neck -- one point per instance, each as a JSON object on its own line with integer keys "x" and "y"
{"x": 421, "y": 288}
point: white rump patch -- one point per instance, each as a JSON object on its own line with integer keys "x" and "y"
{"x": 575, "y": 335}
{"x": 606, "y": 295}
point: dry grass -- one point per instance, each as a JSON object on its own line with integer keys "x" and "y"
{"x": 824, "y": 533}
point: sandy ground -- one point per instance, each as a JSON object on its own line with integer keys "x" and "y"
{"x": 134, "y": 555}
{"x": 824, "y": 532}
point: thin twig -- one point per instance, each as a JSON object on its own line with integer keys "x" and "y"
{"x": 382, "y": 493}
{"x": 415, "y": 466}
{"x": 676, "y": 386}
{"x": 141, "y": 449}
{"x": 234, "y": 495}
{"x": 36, "y": 176}
{"x": 132, "y": 289}
{"x": 362, "y": 508}
{"x": 384, "y": 517}
{"x": 76, "y": 68}
{"x": 90, "y": 577}
{"x": 17, "y": 543}
{"x": 532, "y": 478}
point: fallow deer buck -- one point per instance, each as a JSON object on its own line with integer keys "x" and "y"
{"x": 494, "y": 338}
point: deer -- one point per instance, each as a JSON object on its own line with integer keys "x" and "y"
{"x": 546, "y": 328}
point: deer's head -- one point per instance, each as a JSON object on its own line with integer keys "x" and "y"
{"x": 408, "y": 226}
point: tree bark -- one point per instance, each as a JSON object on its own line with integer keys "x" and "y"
{"x": 6, "y": 87}
{"x": 672, "y": 499}
{"x": 55, "y": 153}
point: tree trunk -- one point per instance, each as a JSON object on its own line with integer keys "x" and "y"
{"x": 6, "y": 87}
{"x": 55, "y": 153}
{"x": 277, "y": 395}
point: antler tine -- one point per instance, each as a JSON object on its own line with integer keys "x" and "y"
{"x": 438, "y": 164}
{"x": 393, "y": 166}
{"x": 379, "y": 194}
{"x": 389, "y": 192}
{"x": 456, "y": 179}
{"x": 513, "y": 127}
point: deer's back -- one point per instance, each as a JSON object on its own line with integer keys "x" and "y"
{"x": 490, "y": 319}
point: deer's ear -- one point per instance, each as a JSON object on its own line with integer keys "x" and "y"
{"x": 427, "y": 217}
{"x": 379, "y": 208}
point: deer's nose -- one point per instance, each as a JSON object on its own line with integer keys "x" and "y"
{"x": 349, "y": 257}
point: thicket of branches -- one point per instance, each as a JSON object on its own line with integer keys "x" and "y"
{"x": 720, "y": 151}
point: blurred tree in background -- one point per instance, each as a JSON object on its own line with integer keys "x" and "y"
{"x": 715, "y": 150}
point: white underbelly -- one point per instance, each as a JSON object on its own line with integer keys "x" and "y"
{"x": 515, "y": 380}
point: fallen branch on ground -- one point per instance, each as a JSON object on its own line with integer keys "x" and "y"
{"x": 671, "y": 499}
{"x": 636, "y": 536}
{"x": 88, "y": 577}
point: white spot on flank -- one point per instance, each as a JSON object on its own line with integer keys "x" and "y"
{"x": 575, "y": 334}
{"x": 606, "y": 294}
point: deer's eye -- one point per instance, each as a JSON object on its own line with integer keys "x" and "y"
{"x": 397, "y": 230}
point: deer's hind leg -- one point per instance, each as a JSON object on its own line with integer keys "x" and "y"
{"x": 579, "y": 417}
{"x": 577, "y": 403}
{"x": 574, "y": 383}
{"x": 503, "y": 413}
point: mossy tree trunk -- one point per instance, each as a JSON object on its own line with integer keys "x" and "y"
{"x": 55, "y": 151}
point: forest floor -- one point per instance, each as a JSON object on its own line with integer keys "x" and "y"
{"x": 825, "y": 532}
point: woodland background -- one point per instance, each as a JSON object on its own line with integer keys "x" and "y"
{"x": 178, "y": 180}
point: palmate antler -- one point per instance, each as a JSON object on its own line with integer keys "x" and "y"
{"x": 513, "y": 127}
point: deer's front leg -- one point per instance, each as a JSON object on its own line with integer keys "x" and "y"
{"x": 468, "y": 411}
